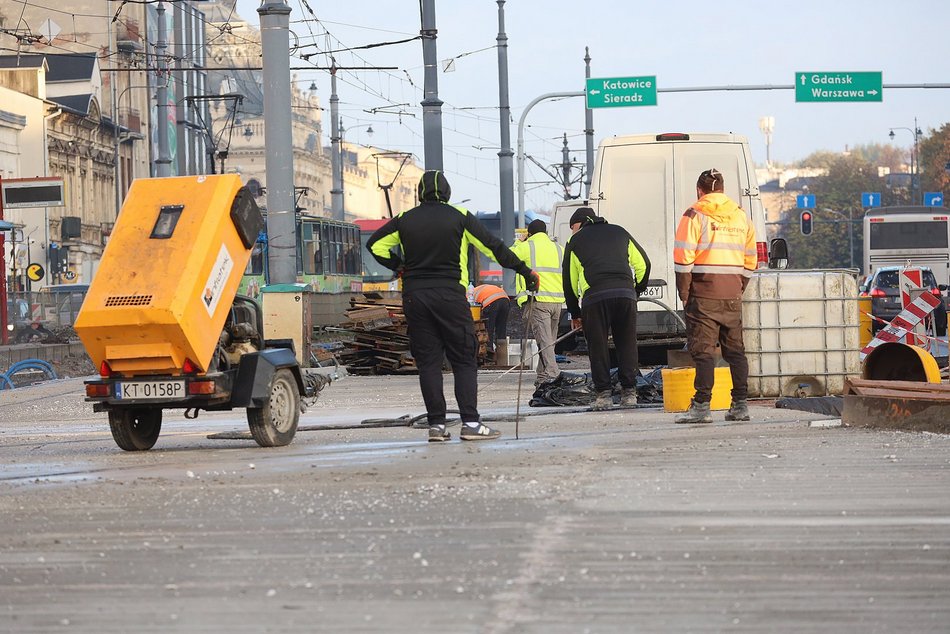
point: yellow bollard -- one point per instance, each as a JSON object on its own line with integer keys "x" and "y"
{"x": 865, "y": 329}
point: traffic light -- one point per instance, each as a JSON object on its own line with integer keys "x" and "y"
{"x": 806, "y": 223}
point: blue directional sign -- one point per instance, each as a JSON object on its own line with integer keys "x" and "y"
{"x": 870, "y": 199}
{"x": 806, "y": 201}
{"x": 933, "y": 199}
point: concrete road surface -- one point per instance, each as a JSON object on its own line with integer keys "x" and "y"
{"x": 609, "y": 522}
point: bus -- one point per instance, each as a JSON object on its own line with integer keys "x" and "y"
{"x": 329, "y": 262}
{"x": 376, "y": 277}
{"x": 902, "y": 236}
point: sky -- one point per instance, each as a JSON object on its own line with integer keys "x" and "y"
{"x": 684, "y": 43}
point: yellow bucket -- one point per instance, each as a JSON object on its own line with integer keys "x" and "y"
{"x": 678, "y": 389}
{"x": 476, "y": 312}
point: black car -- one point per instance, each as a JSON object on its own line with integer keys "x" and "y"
{"x": 882, "y": 288}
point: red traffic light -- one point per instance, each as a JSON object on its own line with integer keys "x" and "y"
{"x": 806, "y": 223}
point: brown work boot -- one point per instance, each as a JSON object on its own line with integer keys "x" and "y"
{"x": 738, "y": 411}
{"x": 603, "y": 401}
{"x": 628, "y": 397}
{"x": 697, "y": 413}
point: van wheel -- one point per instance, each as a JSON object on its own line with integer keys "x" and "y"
{"x": 275, "y": 424}
{"x": 135, "y": 429}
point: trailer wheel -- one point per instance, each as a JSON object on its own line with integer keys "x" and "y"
{"x": 135, "y": 429}
{"x": 275, "y": 424}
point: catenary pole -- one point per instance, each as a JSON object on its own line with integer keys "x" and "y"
{"x": 336, "y": 150}
{"x": 164, "y": 160}
{"x": 566, "y": 168}
{"x": 588, "y": 131}
{"x": 278, "y": 140}
{"x": 506, "y": 177}
{"x": 431, "y": 104}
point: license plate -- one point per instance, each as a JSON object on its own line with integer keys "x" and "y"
{"x": 131, "y": 390}
{"x": 654, "y": 292}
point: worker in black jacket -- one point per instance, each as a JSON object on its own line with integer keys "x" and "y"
{"x": 434, "y": 238}
{"x": 604, "y": 271}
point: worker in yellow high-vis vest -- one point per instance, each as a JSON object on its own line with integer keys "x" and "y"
{"x": 544, "y": 257}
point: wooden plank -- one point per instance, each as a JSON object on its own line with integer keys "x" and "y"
{"x": 937, "y": 397}
{"x": 903, "y": 385}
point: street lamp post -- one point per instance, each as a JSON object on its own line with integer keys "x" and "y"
{"x": 342, "y": 136}
{"x": 914, "y": 162}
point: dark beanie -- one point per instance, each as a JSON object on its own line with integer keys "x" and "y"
{"x": 537, "y": 226}
{"x": 581, "y": 215}
{"x": 434, "y": 187}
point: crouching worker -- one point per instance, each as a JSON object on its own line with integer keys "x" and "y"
{"x": 714, "y": 256}
{"x": 495, "y": 309}
{"x": 604, "y": 272}
{"x": 435, "y": 237}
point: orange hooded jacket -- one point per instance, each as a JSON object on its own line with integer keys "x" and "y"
{"x": 715, "y": 253}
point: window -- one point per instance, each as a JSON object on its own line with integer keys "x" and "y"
{"x": 886, "y": 279}
{"x": 167, "y": 221}
{"x": 312, "y": 252}
{"x": 909, "y": 235}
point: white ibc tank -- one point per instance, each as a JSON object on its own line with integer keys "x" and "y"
{"x": 801, "y": 332}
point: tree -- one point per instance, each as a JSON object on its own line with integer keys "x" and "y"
{"x": 883, "y": 155}
{"x": 934, "y": 161}
{"x": 838, "y": 213}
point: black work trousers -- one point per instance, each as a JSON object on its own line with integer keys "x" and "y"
{"x": 440, "y": 325}
{"x": 712, "y": 321}
{"x": 616, "y": 315}
{"x": 497, "y": 315}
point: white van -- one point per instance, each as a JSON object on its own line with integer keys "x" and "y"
{"x": 644, "y": 183}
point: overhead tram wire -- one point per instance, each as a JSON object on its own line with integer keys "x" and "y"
{"x": 361, "y": 84}
{"x": 225, "y": 29}
{"x": 398, "y": 78}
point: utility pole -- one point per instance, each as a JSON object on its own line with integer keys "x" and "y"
{"x": 4, "y": 334}
{"x": 164, "y": 160}
{"x": 566, "y": 169}
{"x": 278, "y": 139}
{"x": 431, "y": 104}
{"x": 588, "y": 130}
{"x": 336, "y": 155}
{"x": 506, "y": 177}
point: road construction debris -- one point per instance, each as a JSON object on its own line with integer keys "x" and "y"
{"x": 380, "y": 342}
{"x": 906, "y": 405}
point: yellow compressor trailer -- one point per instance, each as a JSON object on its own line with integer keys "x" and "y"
{"x": 164, "y": 324}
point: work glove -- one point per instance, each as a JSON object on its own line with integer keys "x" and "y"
{"x": 532, "y": 282}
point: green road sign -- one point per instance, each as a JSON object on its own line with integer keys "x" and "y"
{"x": 838, "y": 86}
{"x": 617, "y": 92}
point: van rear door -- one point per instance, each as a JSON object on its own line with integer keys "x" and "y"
{"x": 730, "y": 159}
{"x": 637, "y": 192}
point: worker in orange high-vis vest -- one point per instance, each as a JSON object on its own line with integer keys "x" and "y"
{"x": 713, "y": 257}
{"x": 495, "y": 308}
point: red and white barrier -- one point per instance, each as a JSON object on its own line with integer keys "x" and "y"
{"x": 904, "y": 323}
